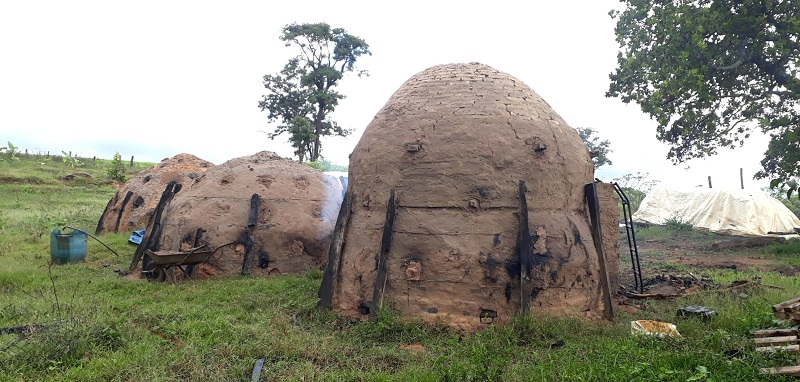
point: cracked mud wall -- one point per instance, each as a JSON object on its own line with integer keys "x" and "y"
{"x": 454, "y": 141}
{"x": 297, "y": 212}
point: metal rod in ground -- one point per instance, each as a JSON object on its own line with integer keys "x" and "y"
{"x": 630, "y": 232}
{"x": 386, "y": 242}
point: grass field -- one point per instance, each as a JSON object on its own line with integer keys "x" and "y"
{"x": 91, "y": 324}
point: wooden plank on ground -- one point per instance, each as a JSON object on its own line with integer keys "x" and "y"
{"x": 793, "y": 371}
{"x": 792, "y": 308}
{"x": 778, "y": 308}
{"x": 776, "y": 340}
{"x": 775, "y": 332}
{"x": 775, "y": 349}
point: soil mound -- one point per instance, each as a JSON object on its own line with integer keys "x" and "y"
{"x": 453, "y": 142}
{"x": 297, "y": 210}
{"x": 133, "y": 204}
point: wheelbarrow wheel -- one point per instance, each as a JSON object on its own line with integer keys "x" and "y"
{"x": 158, "y": 274}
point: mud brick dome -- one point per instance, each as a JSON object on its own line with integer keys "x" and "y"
{"x": 295, "y": 216}
{"x": 133, "y": 204}
{"x": 453, "y": 142}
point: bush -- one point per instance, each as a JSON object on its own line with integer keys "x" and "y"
{"x": 677, "y": 223}
{"x": 117, "y": 170}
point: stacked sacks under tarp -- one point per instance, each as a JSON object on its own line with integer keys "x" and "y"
{"x": 453, "y": 142}
{"x": 135, "y": 201}
{"x": 296, "y": 211}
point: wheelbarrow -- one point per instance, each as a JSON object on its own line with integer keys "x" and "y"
{"x": 163, "y": 261}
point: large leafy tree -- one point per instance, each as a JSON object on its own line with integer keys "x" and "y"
{"x": 303, "y": 95}
{"x": 711, "y": 72}
{"x": 598, "y": 148}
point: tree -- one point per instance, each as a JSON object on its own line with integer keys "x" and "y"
{"x": 597, "y": 149}
{"x": 711, "y": 72}
{"x": 302, "y": 96}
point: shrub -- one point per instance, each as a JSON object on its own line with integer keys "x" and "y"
{"x": 11, "y": 151}
{"x": 71, "y": 161}
{"x": 117, "y": 170}
{"x": 677, "y": 223}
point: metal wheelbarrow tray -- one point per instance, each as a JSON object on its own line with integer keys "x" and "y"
{"x": 164, "y": 260}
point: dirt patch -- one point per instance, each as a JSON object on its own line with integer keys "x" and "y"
{"x": 788, "y": 270}
{"x": 700, "y": 251}
{"x": 71, "y": 177}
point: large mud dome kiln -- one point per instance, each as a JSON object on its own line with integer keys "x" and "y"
{"x": 134, "y": 203}
{"x": 278, "y": 212}
{"x": 449, "y": 149}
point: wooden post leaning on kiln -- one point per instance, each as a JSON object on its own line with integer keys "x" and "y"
{"x": 124, "y": 204}
{"x": 590, "y": 191}
{"x": 252, "y": 221}
{"x": 524, "y": 251}
{"x": 152, "y": 234}
{"x": 386, "y": 242}
{"x": 110, "y": 203}
{"x": 331, "y": 274}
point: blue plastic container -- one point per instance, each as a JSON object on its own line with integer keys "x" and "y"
{"x": 67, "y": 248}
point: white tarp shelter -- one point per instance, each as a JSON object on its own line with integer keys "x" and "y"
{"x": 727, "y": 212}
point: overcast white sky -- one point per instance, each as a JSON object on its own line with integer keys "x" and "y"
{"x": 153, "y": 79}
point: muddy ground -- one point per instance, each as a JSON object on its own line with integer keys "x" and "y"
{"x": 673, "y": 263}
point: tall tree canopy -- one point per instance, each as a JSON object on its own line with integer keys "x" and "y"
{"x": 303, "y": 95}
{"x": 710, "y": 72}
{"x": 599, "y": 149}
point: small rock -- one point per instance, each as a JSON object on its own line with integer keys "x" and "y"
{"x": 557, "y": 344}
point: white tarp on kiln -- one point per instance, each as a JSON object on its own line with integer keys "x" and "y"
{"x": 734, "y": 212}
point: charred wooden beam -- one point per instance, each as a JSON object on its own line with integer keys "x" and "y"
{"x": 386, "y": 243}
{"x": 590, "y": 192}
{"x": 110, "y": 203}
{"x": 331, "y": 274}
{"x": 252, "y": 221}
{"x": 524, "y": 251}
{"x": 122, "y": 209}
{"x": 152, "y": 233}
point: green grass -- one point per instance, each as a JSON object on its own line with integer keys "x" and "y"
{"x": 673, "y": 234}
{"x": 788, "y": 251}
{"x": 677, "y": 233}
{"x": 43, "y": 169}
{"x": 100, "y": 326}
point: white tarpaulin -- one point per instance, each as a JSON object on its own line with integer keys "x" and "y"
{"x": 732, "y": 212}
